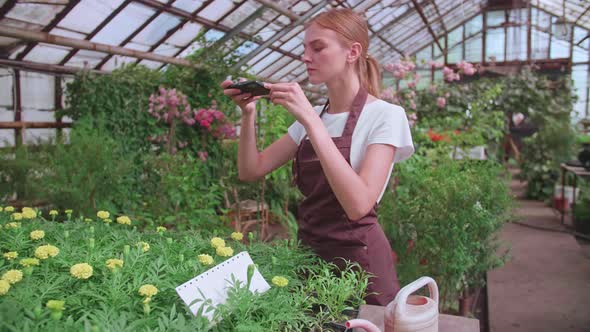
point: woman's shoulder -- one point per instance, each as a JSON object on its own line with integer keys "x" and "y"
{"x": 381, "y": 109}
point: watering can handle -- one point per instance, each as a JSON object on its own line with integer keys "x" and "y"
{"x": 402, "y": 296}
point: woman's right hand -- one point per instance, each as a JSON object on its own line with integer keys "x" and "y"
{"x": 244, "y": 100}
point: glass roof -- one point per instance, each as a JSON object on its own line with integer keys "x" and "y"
{"x": 270, "y": 32}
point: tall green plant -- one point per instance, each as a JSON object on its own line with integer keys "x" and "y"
{"x": 442, "y": 221}
{"x": 91, "y": 171}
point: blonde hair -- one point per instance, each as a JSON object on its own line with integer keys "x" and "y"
{"x": 352, "y": 27}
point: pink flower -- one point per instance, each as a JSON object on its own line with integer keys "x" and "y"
{"x": 441, "y": 102}
{"x": 432, "y": 89}
{"x": 411, "y": 85}
{"x": 203, "y": 155}
{"x": 447, "y": 71}
{"x": 412, "y": 105}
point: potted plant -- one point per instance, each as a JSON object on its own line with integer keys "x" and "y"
{"x": 581, "y": 216}
{"x": 584, "y": 155}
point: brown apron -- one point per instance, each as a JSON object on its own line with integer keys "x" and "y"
{"x": 325, "y": 227}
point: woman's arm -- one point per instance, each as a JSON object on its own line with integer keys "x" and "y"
{"x": 253, "y": 165}
{"x": 357, "y": 193}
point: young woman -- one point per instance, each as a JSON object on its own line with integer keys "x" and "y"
{"x": 343, "y": 152}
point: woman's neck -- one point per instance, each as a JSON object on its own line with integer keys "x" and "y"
{"x": 341, "y": 93}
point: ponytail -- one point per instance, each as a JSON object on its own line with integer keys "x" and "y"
{"x": 370, "y": 75}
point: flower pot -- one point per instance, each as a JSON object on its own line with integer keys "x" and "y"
{"x": 561, "y": 204}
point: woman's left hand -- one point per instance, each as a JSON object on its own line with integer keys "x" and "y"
{"x": 290, "y": 96}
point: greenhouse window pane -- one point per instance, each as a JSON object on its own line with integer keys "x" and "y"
{"x": 37, "y": 92}
{"x": 539, "y": 44}
{"x": 424, "y": 81}
{"x": 86, "y": 58}
{"x": 495, "y": 44}
{"x": 517, "y": 15}
{"x": 473, "y": 48}
{"x": 474, "y": 26}
{"x": 157, "y": 29}
{"x": 213, "y": 35}
{"x": 117, "y": 61}
{"x": 559, "y": 49}
{"x": 580, "y": 79}
{"x": 240, "y": 14}
{"x": 581, "y": 52}
{"x": 166, "y": 49}
{"x": 47, "y": 53}
{"x": 245, "y": 48}
{"x": 188, "y": 5}
{"x": 455, "y": 36}
{"x": 424, "y": 55}
{"x": 151, "y": 64}
{"x": 266, "y": 61}
{"x": 540, "y": 18}
{"x": 87, "y": 15}
{"x": 67, "y": 33}
{"x": 6, "y": 79}
{"x": 6, "y": 137}
{"x": 259, "y": 56}
{"x": 7, "y": 114}
{"x": 495, "y": 18}
{"x": 516, "y": 43}
{"x": 438, "y": 76}
{"x": 455, "y": 54}
{"x": 185, "y": 35}
{"x": 217, "y": 9}
{"x": 40, "y": 14}
{"x": 36, "y": 136}
{"x": 128, "y": 20}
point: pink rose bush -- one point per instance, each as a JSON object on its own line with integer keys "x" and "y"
{"x": 171, "y": 107}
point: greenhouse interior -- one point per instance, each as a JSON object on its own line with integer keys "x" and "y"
{"x": 196, "y": 165}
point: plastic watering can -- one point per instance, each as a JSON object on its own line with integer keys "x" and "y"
{"x": 408, "y": 313}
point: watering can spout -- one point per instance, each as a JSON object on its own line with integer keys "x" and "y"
{"x": 363, "y": 324}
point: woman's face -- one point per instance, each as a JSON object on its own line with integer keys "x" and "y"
{"x": 324, "y": 55}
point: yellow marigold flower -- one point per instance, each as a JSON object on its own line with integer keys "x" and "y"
{"x": 107, "y": 221}
{"x": 9, "y": 209}
{"x": 144, "y": 246}
{"x": 55, "y": 305}
{"x": 4, "y": 287}
{"x": 217, "y": 242}
{"x": 10, "y": 255}
{"x": 280, "y": 281}
{"x": 69, "y": 211}
{"x": 224, "y": 251}
{"x": 12, "y": 276}
{"x": 53, "y": 213}
{"x": 237, "y": 236}
{"x": 27, "y": 262}
{"x": 161, "y": 229}
{"x": 13, "y": 225}
{"x": 103, "y": 214}
{"x": 29, "y": 213}
{"x": 46, "y": 251}
{"x": 205, "y": 259}
{"x": 37, "y": 235}
{"x": 1, "y": 209}
{"x": 124, "y": 220}
{"x": 81, "y": 271}
{"x": 148, "y": 290}
{"x": 17, "y": 216}
{"x": 114, "y": 264}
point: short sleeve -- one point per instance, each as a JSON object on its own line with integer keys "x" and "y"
{"x": 391, "y": 127}
{"x": 297, "y": 131}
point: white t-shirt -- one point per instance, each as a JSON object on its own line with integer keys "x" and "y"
{"x": 379, "y": 123}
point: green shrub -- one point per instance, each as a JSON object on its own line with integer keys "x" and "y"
{"x": 442, "y": 220}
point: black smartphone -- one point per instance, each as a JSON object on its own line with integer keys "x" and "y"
{"x": 254, "y": 87}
